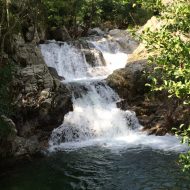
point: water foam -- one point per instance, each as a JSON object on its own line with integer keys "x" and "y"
{"x": 133, "y": 140}
{"x": 95, "y": 115}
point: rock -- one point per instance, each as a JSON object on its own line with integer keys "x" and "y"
{"x": 107, "y": 26}
{"x": 40, "y": 100}
{"x": 158, "y": 130}
{"x": 29, "y": 36}
{"x": 41, "y": 34}
{"x": 153, "y": 24}
{"x": 36, "y": 78}
{"x": 28, "y": 31}
{"x": 157, "y": 113}
{"x": 54, "y": 73}
{"x": 150, "y": 109}
{"x": 45, "y": 94}
{"x": 123, "y": 37}
{"x": 91, "y": 56}
{"x": 22, "y": 146}
{"x": 58, "y": 34}
{"x": 129, "y": 82}
{"x": 95, "y": 31}
{"x": 9, "y": 123}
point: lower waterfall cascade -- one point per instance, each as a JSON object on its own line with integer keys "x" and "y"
{"x": 96, "y": 119}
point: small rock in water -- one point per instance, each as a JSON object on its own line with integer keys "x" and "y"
{"x": 95, "y": 31}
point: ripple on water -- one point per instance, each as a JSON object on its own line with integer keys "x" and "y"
{"x": 99, "y": 168}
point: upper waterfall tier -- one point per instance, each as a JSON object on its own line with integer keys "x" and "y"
{"x": 71, "y": 62}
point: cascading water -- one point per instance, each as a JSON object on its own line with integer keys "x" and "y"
{"x": 101, "y": 146}
{"x": 67, "y": 60}
{"x": 96, "y": 118}
{"x": 95, "y": 115}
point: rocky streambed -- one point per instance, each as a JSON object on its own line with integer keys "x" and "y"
{"x": 41, "y": 100}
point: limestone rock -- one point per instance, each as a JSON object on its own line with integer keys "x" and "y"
{"x": 95, "y": 31}
{"x": 40, "y": 100}
{"x": 58, "y": 34}
{"x": 9, "y": 122}
{"x": 22, "y": 146}
{"x": 125, "y": 40}
{"x": 54, "y": 73}
{"x": 129, "y": 82}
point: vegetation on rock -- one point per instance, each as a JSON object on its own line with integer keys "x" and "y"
{"x": 171, "y": 47}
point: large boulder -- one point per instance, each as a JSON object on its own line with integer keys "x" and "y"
{"x": 153, "y": 25}
{"x": 124, "y": 39}
{"x": 40, "y": 101}
{"x": 58, "y": 34}
{"x": 130, "y": 81}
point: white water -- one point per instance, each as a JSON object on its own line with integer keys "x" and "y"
{"x": 67, "y": 60}
{"x": 70, "y": 62}
{"x": 96, "y": 120}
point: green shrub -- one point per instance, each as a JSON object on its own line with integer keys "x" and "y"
{"x": 171, "y": 48}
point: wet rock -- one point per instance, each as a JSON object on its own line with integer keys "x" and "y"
{"x": 130, "y": 81}
{"x": 95, "y": 31}
{"x": 107, "y": 26}
{"x": 54, "y": 73}
{"x": 158, "y": 130}
{"x": 92, "y": 55}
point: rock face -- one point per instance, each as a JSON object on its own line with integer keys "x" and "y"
{"x": 129, "y": 82}
{"x": 58, "y": 34}
{"x": 155, "y": 111}
{"x": 151, "y": 109}
{"x": 124, "y": 39}
{"x": 40, "y": 100}
{"x": 95, "y": 32}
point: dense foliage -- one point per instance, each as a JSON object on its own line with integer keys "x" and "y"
{"x": 92, "y": 13}
{"x": 171, "y": 47}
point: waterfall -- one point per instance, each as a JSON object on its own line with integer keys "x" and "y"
{"x": 67, "y": 60}
{"x": 95, "y": 116}
{"x": 70, "y": 62}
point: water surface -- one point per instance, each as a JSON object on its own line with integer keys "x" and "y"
{"x": 92, "y": 168}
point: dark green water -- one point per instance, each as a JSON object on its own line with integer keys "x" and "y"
{"x": 98, "y": 168}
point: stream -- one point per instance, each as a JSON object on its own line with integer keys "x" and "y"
{"x": 100, "y": 168}
{"x": 99, "y": 146}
